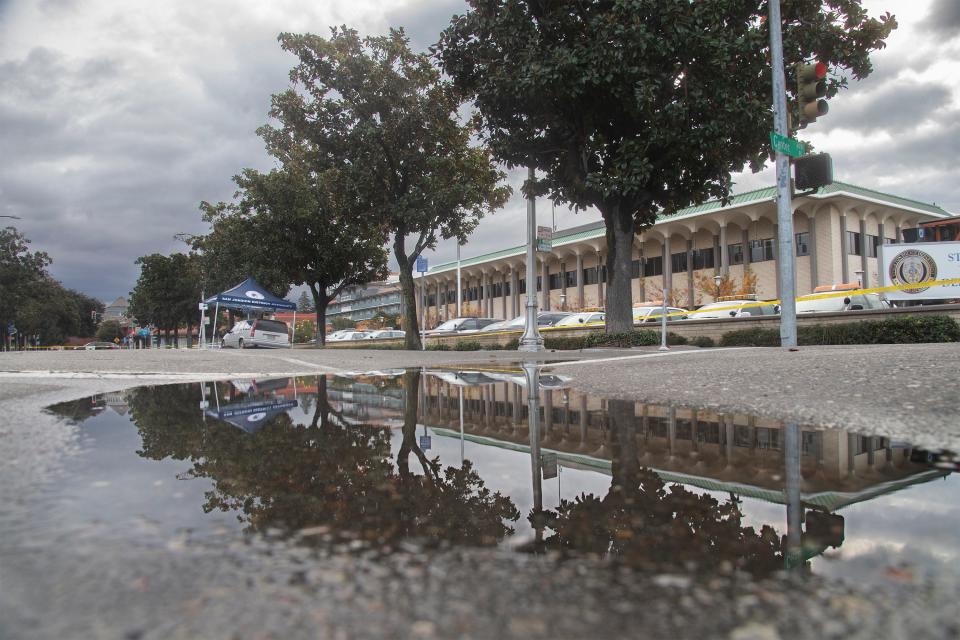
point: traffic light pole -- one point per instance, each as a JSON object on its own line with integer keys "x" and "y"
{"x": 786, "y": 263}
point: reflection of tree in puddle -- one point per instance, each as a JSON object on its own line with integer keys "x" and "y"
{"x": 647, "y": 524}
{"x": 328, "y": 474}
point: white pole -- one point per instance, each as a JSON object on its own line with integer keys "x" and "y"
{"x": 531, "y": 340}
{"x": 294, "y": 338}
{"x": 663, "y": 323}
{"x": 216, "y": 314}
{"x": 423, "y": 316}
{"x": 459, "y": 291}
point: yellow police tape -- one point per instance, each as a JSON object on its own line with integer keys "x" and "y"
{"x": 762, "y": 303}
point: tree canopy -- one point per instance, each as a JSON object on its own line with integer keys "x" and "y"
{"x": 167, "y": 291}
{"x": 35, "y": 303}
{"x": 640, "y": 107}
{"x": 386, "y": 119}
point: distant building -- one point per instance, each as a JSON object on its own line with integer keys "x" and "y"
{"x": 117, "y": 310}
{"x": 837, "y": 233}
{"x": 367, "y": 301}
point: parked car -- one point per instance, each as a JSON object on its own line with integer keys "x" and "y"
{"x": 853, "y": 302}
{"x": 346, "y": 336}
{"x": 93, "y": 346}
{"x": 733, "y": 309}
{"x": 385, "y": 333}
{"x": 544, "y": 319}
{"x": 652, "y": 313}
{"x": 582, "y": 318}
{"x": 246, "y": 334}
{"x": 461, "y": 325}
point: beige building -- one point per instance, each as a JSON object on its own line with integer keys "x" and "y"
{"x": 836, "y": 236}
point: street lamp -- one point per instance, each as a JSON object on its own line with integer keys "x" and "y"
{"x": 717, "y": 279}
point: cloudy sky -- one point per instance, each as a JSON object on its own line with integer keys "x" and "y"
{"x": 117, "y": 119}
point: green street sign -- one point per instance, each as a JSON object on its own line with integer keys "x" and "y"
{"x": 787, "y": 146}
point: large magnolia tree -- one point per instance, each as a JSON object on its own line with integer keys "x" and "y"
{"x": 640, "y": 107}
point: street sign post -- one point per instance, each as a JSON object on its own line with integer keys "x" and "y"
{"x": 544, "y": 239}
{"x": 787, "y": 146}
{"x": 548, "y": 465}
{"x": 422, "y": 267}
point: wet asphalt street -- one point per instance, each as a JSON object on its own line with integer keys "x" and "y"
{"x": 90, "y": 584}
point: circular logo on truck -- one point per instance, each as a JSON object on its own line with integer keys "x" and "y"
{"x": 256, "y": 295}
{"x": 913, "y": 267}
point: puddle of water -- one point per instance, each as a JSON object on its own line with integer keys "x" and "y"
{"x": 419, "y": 459}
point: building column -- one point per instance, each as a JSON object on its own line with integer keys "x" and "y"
{"x": 812, "y": 247}
{"x": 864, "y": 260}
{"x": 844, "y": 260}
{"x": 580, "y": 300}
{"x": 667, "y": 265}
{"x": 563, "y": 286}
{"x": 514, "y": 293}
{"x": 503, "y": 295}
{"x": 897, "y": 234}
{"x": 545, "y": 285}
{"x": 600, "y": 282}
{"x": 485, "y": 292}
{"x": 691, "y": 298}
{"x": 437, "y": 293}
{"x": 724, "y": 251}
{"x": 745, "y": 240}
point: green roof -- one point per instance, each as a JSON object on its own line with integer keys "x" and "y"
{"x": 596, "y": 229}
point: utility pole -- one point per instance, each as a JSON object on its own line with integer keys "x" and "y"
{"x": 531, "y": 340}
{"x": 459, "y": 280}
{"x": 785, "y": 272}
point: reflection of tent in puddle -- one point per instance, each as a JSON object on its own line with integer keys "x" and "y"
{"x": 251, "y": 416}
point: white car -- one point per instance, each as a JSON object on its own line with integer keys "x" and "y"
{"x": 544, "y": 319}
{"x": 385, "y": 333}
{"x": 245, "y": 334}
{"x": 854, "y": 302}
{"x": 645, "y": 314}
{"x": 583, "y": 318}
{"x": 346, "y": 336}
{"x": 462, "y": 325}
{"x": 733, "y": 309}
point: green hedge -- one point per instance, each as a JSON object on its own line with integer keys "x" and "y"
{"x": 898, "y": 330}
{"x": 637, "y": 338}
{"x": 703, "y": 341}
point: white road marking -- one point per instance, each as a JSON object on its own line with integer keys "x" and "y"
{"x": 658, "y": 354}
{"x": 149, "y": 375}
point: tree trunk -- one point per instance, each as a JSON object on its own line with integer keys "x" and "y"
{"x": 321, "y": 313}
{"x": 619, "y": 298}
{"x": 409, "y": 303}
{"x": 320, "y": 302}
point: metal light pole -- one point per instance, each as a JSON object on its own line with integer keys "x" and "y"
{"x": 531, "y": 340}
{"x": 785, "y": 272}
{"x": 459, "y": 280}
{"x": 793, "y": 557}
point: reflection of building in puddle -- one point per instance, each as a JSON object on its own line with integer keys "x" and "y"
{"x": 357, "y": 400}
{"x": 724, "y": 452}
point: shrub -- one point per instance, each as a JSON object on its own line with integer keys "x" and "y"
{"x": 640, "y": 338}
{"x": 676, "y": 338}
{"x": 438, "y": 347}
{"x": 703, "y": 341}
{"x": 467, "y": 345}
{"x": 905, "y": 329}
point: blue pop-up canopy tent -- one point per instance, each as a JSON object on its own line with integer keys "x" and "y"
{"x": 249, "y": 295}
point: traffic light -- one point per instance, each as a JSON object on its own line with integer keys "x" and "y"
{"x": 813, "y": 171}
{"x": 811, "y": 88}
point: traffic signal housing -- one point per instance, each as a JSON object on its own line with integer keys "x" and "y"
{"x": 811, "y": 89}
{"x": 813, "y": 171}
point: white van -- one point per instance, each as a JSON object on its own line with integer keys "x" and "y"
{"x": 257, "y": 333}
